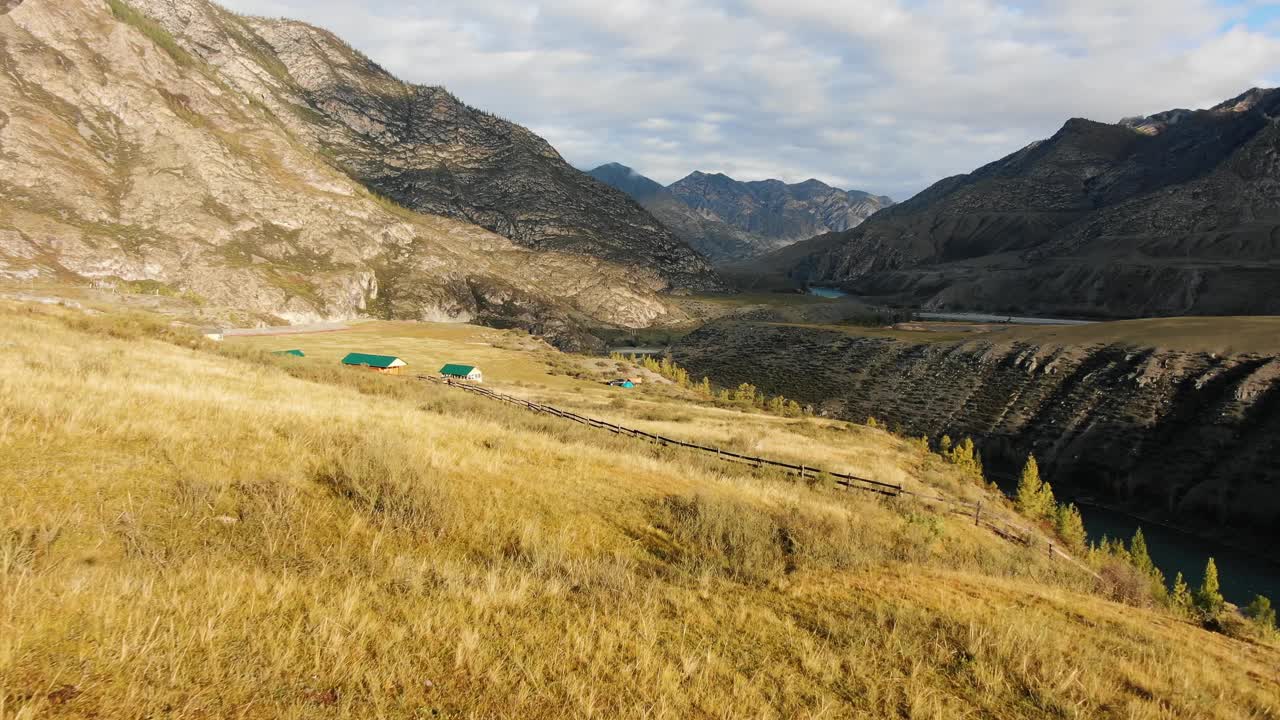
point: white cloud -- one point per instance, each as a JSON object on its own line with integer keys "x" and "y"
{"x": 883, "y": 95}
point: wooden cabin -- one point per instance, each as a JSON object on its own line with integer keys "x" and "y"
{"x": 388, "y": 364}
{"x": 469, "y": 373}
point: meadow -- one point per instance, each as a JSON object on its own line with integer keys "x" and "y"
{"x": 201, "y": 530}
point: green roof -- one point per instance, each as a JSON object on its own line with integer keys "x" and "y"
{"x": 295, "y": 353}
{"x": 459, "y": 370}
{"x": 377, "y": 361}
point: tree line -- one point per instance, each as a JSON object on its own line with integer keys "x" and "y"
{"x": 1128, "y": 573}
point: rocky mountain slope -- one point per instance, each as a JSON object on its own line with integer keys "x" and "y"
{"x": 1166, "y": 428}
{"x": 1174, "y": 214}
{"x": 126, "y": 156}
{"x": 421, "y": 146}
{"x": 729, "y": 221}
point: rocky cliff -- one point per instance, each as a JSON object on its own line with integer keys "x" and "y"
{"x": 730, "y": 221}
{"x": 1187, "y": 435}
{"x": 424, "y": 148}
{"x": 127, "y": 154}
{"x": 1174, "y": 214}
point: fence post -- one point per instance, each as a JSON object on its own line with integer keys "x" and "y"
{"x": 977, "y": 514}
{"x": 1050, "y": 550}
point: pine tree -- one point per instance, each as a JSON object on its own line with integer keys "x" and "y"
{"x": 1138, "y": 552}
{"x": 1262, "y": 614}
{"x": 745, "y": 394}
{"x": 1141, "y": 559}
{"x": 1032, "y": 499}
{"x": 705, "y": 387}
{"x": 1180, "y": 598}
{"x": 872, "y": 422}
{"x": 1047, "y": 501}
{"x": 1071, "y": 527}
{"x": 1209, "y": 597}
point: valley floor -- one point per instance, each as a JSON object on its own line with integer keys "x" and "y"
{"x": 201, "y": 530}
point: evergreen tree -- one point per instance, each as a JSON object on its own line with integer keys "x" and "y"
{"x": 1209, "y": 598}
{"x": 1071, "y": 527}
{"x": 745, "y": 394}
{"x": 872, "y": 422}
{"x": 1141, "y": 560}
{"x": 705, "y": 387}
{"x": 1262, "y": 614}
{"x": 1035, "y": 499}
{"x": 1138, "y": 553}
{"x": 1180, "y": 598}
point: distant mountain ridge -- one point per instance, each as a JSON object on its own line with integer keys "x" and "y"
{"x": 728, "y": 220}
{"x": 1176, "y": 213}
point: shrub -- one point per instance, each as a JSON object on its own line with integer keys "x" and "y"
{"x": 1262, "y": 614}
{"x": 1122, "y": 582}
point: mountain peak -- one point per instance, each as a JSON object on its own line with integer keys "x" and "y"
{"x": 627, "y": 180}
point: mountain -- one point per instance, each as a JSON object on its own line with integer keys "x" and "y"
{"x": 639, "y": 187}
{"x": 1173, "y": 214}
{"x": 421, "y": 146}
{"x": 729, "y": 221}
{"x": 225, "y": 164}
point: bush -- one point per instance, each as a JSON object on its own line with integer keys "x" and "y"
{"x": 1122, "y": 582}
{"x": 1262, "y": 614}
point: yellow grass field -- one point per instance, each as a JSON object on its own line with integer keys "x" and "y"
{"x": 193, "y": 530}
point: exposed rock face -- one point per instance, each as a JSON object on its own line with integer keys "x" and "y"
{"x": 729, "y": 221}
{"x": 124, "y": 156}
{"x": 425, "y": 149}
{"x": 1174, "y": 214}
{"x": 1192, "y": 437}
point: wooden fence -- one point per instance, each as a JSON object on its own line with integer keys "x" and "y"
{"x": 982, "y": 518}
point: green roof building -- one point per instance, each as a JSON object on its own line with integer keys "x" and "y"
{"x": 462, "y": 372}
{"x": 294, "y": 353}
{"x": 381, "y": 363}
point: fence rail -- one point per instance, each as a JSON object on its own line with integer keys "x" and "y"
{"x": 1001, "y": 527}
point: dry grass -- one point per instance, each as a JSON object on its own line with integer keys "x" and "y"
{"x": 189, "y": 532}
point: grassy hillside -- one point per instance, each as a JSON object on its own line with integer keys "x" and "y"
{"x": 200, "y": 531}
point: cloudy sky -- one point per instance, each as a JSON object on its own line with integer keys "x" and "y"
{"x": 881, "y": 95}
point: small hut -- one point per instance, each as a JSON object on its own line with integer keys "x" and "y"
{"x": 388, "y": 364}
{"x": 469, "y": 373}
